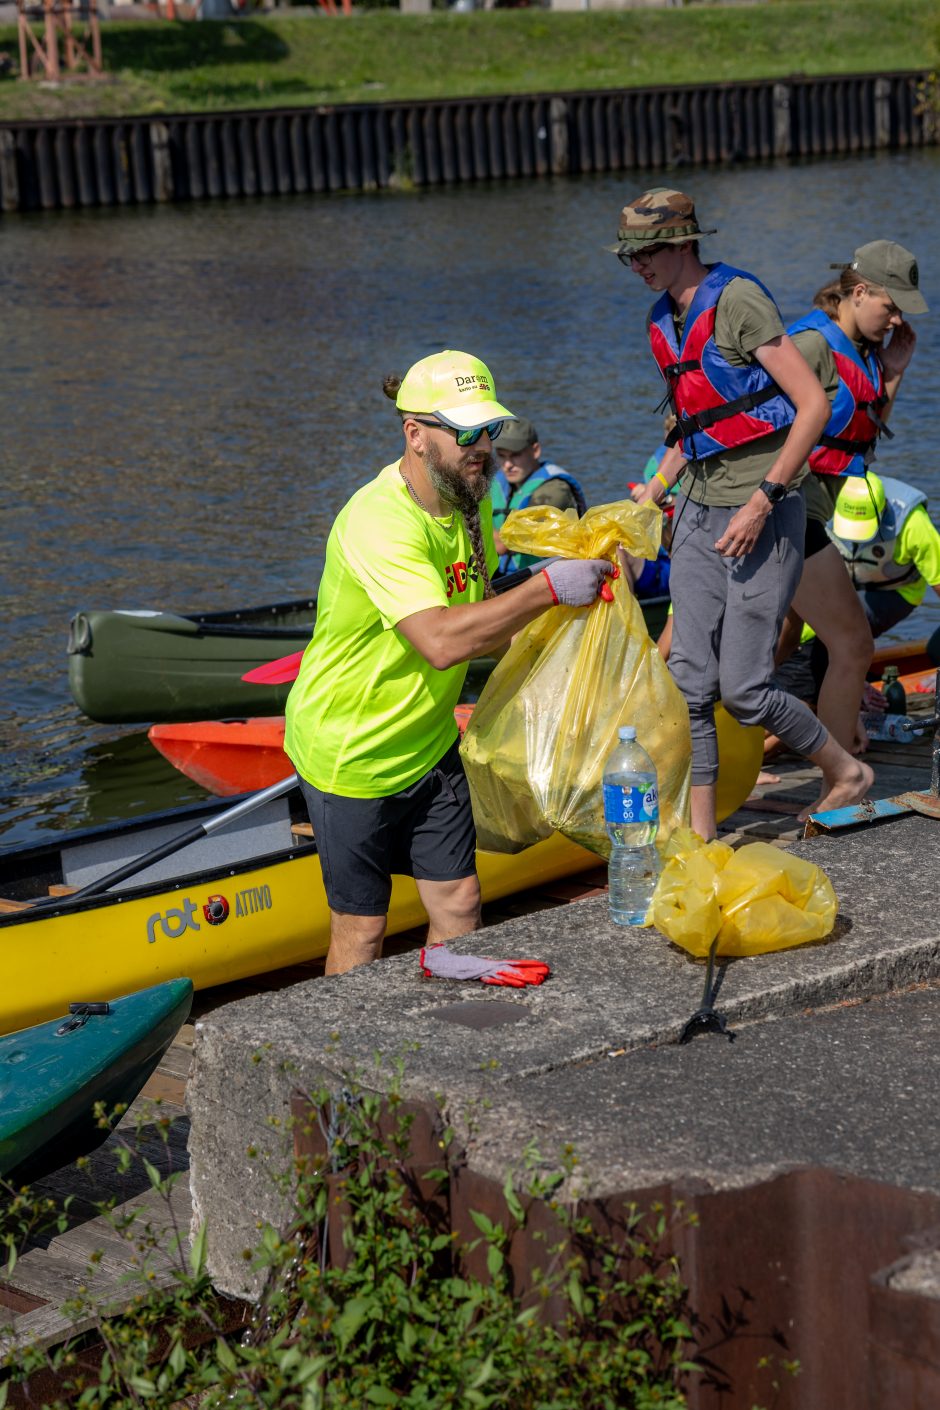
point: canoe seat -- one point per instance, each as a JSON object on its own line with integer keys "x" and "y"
{"x": 58, "y": 888}
{"x": 264, "y": 830}
{"x": 301, "y": 829}
{"x": 7, "y": 907}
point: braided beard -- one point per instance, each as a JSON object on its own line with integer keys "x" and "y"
{"x": 465, "y": 496}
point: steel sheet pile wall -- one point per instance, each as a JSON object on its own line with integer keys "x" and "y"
{"x": 45, "y": 166}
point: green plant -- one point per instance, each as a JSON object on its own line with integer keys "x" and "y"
{"x": 386, "y": 1306}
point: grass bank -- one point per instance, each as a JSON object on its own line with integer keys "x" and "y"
{"x": 291, "y": 60}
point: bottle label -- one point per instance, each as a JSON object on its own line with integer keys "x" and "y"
{"x": 630, "y": 805}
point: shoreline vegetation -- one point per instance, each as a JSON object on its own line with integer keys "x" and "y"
{"x": 296, "y": 59}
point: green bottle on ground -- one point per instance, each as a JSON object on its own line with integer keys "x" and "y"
{"x": 893, "y": 691}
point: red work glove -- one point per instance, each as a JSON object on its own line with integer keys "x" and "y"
{"x": 438, "y": 962}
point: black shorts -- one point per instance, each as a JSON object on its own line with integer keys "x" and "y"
{"x": 816, "y": 538}
{"x": 425, "y": 831}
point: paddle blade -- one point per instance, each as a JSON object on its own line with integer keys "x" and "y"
{"x": 285, "y": 668}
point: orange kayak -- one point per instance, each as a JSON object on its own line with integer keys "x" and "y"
{"x": 227, "y": 757}
{"x": 236, "y": 756}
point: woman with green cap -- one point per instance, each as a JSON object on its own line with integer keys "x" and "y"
{"x": 859, "y": 339}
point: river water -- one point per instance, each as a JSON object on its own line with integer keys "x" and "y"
{"x": 190, "y": 394}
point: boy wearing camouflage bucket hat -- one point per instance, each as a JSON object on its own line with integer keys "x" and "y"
{"x": 858, "y": 339}
{"x": 748, "y": 410}
{"x": 404, "y": 603}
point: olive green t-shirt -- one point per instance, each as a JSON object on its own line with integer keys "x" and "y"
{"x": 745, "y": 319}
{"x": 554, "y": 492}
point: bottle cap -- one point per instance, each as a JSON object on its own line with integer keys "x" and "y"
{"x": 890, "y": 673}
{"x": 627, "y": 731}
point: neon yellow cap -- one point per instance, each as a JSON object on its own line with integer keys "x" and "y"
{"x": 456, "y": 387}
{"x": 859, "y": 507}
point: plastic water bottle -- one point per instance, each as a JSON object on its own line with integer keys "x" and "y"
{"x": 631, "y": 814}
{"x": 901, "y": 728}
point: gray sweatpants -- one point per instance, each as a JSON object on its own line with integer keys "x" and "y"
{"x": 728, "y": 614}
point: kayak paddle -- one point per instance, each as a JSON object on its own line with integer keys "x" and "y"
{"x": 176, "y": 844}
{"x": 277, "y": 672}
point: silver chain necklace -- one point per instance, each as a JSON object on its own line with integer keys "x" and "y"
{"x": 421, "y": 504}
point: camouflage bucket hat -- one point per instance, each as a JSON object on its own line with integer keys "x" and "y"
{"x": 658, "y": 217}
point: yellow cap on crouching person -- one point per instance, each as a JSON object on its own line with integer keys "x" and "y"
{"x": 859, "y": 506}
{"x": 456, "y": 387}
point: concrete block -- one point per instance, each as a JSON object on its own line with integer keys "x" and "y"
{"x": 592, "y": 1058}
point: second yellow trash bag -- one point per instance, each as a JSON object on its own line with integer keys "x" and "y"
{"x": 548, "y": 717}
{"x": 755, "y": 899}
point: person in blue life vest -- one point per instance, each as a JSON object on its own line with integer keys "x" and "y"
{"x": 859, "y": 343}
{"x": 651, "y": 576}
{"x": 748, "y": 412}
{"x": 525, "y": 477}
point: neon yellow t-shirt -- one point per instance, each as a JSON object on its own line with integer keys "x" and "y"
{"x": 368, "y": 715}
{"x": 919, "y": 543}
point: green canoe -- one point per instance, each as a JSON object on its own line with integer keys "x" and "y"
{"x": 137, "y": 667}
{"x": 160, "y": 667}
{"x": 51, "y": 1076}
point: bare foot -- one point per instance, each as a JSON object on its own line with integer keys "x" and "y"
{"x": 851, "y": 788}
{"x": 762, "y": 778}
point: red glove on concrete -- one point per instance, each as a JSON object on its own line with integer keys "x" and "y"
{"x": 440, "y": 963}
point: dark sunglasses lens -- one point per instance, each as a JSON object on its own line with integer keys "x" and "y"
{"x": 470, "y": 438}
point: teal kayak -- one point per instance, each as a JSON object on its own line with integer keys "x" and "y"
{"x": 51, "y": 1076}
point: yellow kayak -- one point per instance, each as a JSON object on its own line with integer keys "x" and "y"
{"x": 242, "y": 901}
{"x": 245, "y": 898}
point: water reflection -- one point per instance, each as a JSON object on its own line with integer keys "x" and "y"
{"x": 192, "y": 393}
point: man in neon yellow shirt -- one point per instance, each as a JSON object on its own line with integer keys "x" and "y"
{"x": 891, "y": 549}
{"x": 889, "y": 544}
{"x": 404, "y": 603}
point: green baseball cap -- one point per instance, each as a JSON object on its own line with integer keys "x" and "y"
{"x": 457, "y": 387}
{"x": 894, "y": 268}
{"x": 518, "y": 435}
{"x": 660, "y": 216}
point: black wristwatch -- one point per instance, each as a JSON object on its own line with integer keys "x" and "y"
{"x": 775, "y": 492}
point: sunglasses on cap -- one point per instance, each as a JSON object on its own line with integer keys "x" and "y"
{"x": 629, "y": 257}
{"x": 465, "y": 438}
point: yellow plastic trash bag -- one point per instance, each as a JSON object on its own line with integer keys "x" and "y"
{"x": 755, "y": 899}
{"x": 547, "y": 720}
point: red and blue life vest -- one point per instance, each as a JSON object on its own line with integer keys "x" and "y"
{"x": 506, "y": 497}
{"x": 711, "y": 399}
{"x": 848, "y": 438}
